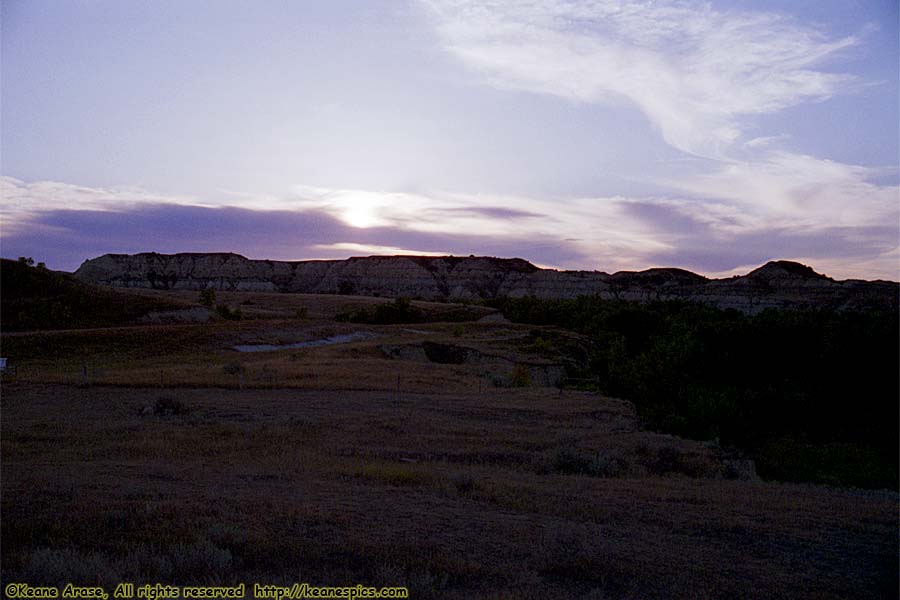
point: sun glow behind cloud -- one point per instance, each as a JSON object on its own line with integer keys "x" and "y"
{"x": 608, "y": 233}
{"x": 342, "y": 249}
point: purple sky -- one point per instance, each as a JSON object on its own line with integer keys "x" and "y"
{"x": 590, "y": 134}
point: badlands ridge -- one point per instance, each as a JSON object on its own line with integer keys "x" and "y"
{"x": 777, "y": 284}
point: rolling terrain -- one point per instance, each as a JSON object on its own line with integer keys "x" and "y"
{"x": 36, "y": 298}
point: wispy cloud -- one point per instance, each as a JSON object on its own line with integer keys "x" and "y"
{"x": 799, "y": 189}
{"x": 20, "y": 202}
{"x": 323, "y": 222}
{"x": 433, "y": 211}
{"x": 343, "y": 248}
{"x": 695, "y": 71}
{"x": 607, "y": 233}
{"x": 64, "y": 238}
{"x": 701, "y": 74}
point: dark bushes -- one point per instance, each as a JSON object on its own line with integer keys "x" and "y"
{"x": 229, "y": 314}
{"x": 400, "y": 310}
{"x": 169, "y": 406}
{"x": 35, "y": 298}
{"x": 446, "y": 354}
{"x": 827, "y": 381}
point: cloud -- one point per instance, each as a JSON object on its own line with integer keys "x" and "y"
{"x": 607, "y": 237}
{"x": 342, "y": 248}
{"x": 694, "y": 71}
{"x": 799, "y": 190}
{"x": 493, "y": 212}
{"x": 433, "y": 211}
{"x": 707, "y": 251}
{"x": 700, "y": 74}
{"x": 826, "y": 217}
{"x": 128, "y": 220}
{"x": 64, "y": 238}
{"x": 20, "y": 202}
{"x": 790, "y": 207}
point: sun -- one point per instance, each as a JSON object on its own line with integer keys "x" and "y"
{"x": 361, "y": 210}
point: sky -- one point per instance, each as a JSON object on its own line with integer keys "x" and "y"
{"x": 577, "y": 134}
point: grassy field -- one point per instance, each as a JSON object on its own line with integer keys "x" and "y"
{"x": 437, "y": 456}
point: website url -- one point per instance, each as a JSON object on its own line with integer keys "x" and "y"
{"x": 304, "y": 590}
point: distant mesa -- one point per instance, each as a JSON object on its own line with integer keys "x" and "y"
{"x": 781, "y": 269}
{"x": 777, "y": 284}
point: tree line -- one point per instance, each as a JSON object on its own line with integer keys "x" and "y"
{"x": 810, "y": 395}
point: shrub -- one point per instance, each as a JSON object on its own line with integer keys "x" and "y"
{"x": 669, "y": 460}
{"x": 267, "y": 374}
{"x": 229, "y": 314}
{"x": 168, "y": 406}
{"x": 464, "y": 484}
{"x": 208, "y": 297}
{"x": 446, "y": 354}
{"x": 571, "y": 461}
{"x": 521, "y": 377}
{"x": 233, "y": 368}
{"x": 396, "y": 475}
{"x": 399, "y": 311}
{"x": 537, "y": 344}
{"x": 857, "y": 465}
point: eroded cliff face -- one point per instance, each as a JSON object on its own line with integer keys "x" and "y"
{"x": 779, "y": 284}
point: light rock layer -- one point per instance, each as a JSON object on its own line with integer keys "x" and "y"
{"x": 778, "y": 284}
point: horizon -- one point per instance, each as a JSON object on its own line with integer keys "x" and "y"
{"x": 708, "y": 136}
{"x": 460, "y": 256}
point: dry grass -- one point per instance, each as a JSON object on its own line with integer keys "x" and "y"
{"x": 319, "y": 471}
{"x": 198, "y": 356}
{"x": 454, "y": 495}
{"x": 272, "y": 305}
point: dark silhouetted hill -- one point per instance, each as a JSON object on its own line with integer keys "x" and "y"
{"x": 35, "y": 298}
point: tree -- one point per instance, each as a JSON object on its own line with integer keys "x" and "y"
{"x": 208, "y": 297}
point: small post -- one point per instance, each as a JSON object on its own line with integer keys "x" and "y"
{"x": 241, "y": 379}
{"x": 398, "y": 387}
{"x": 160, "y": 378}
{"x": 84, "y": 374}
